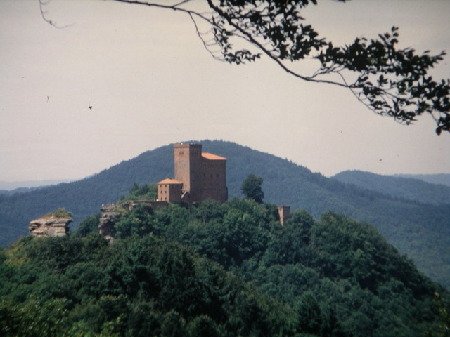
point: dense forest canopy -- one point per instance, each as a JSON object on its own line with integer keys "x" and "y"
{"x": 217, "y": 270}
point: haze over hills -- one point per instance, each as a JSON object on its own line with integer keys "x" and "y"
{"x": 439, "y": 178}
{"x": 398, "y": 186}
{"x": 30, "y": 184}
{"x": 421, "y": 231}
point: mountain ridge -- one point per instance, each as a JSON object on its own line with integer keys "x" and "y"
{"x": 435, "y": 178}
{"x": 416, "y": 229}
{"x": 407, "y": 188}
{"x": 20, "y": 186}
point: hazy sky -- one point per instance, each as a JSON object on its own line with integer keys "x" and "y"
{"x": 150, "y": 82}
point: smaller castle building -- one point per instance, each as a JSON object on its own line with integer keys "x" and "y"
{"x": 170, "y": 190}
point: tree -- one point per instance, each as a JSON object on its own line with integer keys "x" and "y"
{"x": 88, "y": 225}
{"x": 251, "y": 187}
{"x": 388, "y": 80}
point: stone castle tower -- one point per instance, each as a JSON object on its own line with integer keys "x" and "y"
{"x": 199, "y": 175}
{"x": 187, "y": 167}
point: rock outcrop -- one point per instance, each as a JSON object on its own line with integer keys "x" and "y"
{"x": 50, "y": 226}
{"x": 109, "y": 216}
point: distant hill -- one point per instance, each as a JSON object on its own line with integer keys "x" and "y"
{"x": 401, "y": 187}
{"x": 440, "y": 178}
{"x": 420, "y": 231}
{"x": 22, "y": 186}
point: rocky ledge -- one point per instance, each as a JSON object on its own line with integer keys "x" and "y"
{"x": 50, "y": 226}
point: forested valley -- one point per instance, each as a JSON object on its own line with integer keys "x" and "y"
{"x": 217, "y": 269}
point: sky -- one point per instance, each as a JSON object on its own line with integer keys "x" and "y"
{"x": 150, "y": 83}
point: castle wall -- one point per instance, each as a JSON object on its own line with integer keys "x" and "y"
{"x": 214, "y": 179}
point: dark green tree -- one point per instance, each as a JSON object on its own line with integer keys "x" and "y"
{"x": 309, "y": 314}
{"x": 388, "y": 80}
{"x": 203, "y": 326}
{"x": 252, "y": 188}
{"x": 138, "y": 192}
{"x": 88, "y": 225}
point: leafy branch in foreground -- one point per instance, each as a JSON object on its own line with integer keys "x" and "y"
{"x": 388, "y": 80}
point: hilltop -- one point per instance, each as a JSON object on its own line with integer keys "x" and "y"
{"x": 418, "y": 230}
{"x": 219, "y": 270}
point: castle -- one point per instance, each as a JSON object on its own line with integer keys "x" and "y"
{"x": 198, "y": 176}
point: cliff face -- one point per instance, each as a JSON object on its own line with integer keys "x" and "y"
{"x": 50, "y": 226}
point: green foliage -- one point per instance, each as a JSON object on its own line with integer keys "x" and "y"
{"x": 144, "y": 192}
{"x": 408, "y": 225}
{"x": 203, "y": 326}
{"x": 88, "y": 225}
{"x": 361, "y": 285}
{"x": 59, "y": 213}
{"x": 137, "y": 286}
{"x": 442, "y": 308}
{"x": 33, "y": 318}
{"x": 252, "y": 188}
{"x": 182, "y": 271}
{"x": 136, "y": 222}
{"x": 309, "y": 314}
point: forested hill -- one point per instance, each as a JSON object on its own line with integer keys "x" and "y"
{"x": 438, "y": 178}
{"x": 217, "y": 270}
{"x": 401, "y": 187}
{"x": 420, "y": 231}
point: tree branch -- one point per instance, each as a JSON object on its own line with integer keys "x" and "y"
{"x": 388, "y": 81}
{"x": 42, "y": 4}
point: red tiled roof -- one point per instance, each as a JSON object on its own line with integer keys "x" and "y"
{"x": 170, "y": 181}
{"x": 211, "y": 156}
